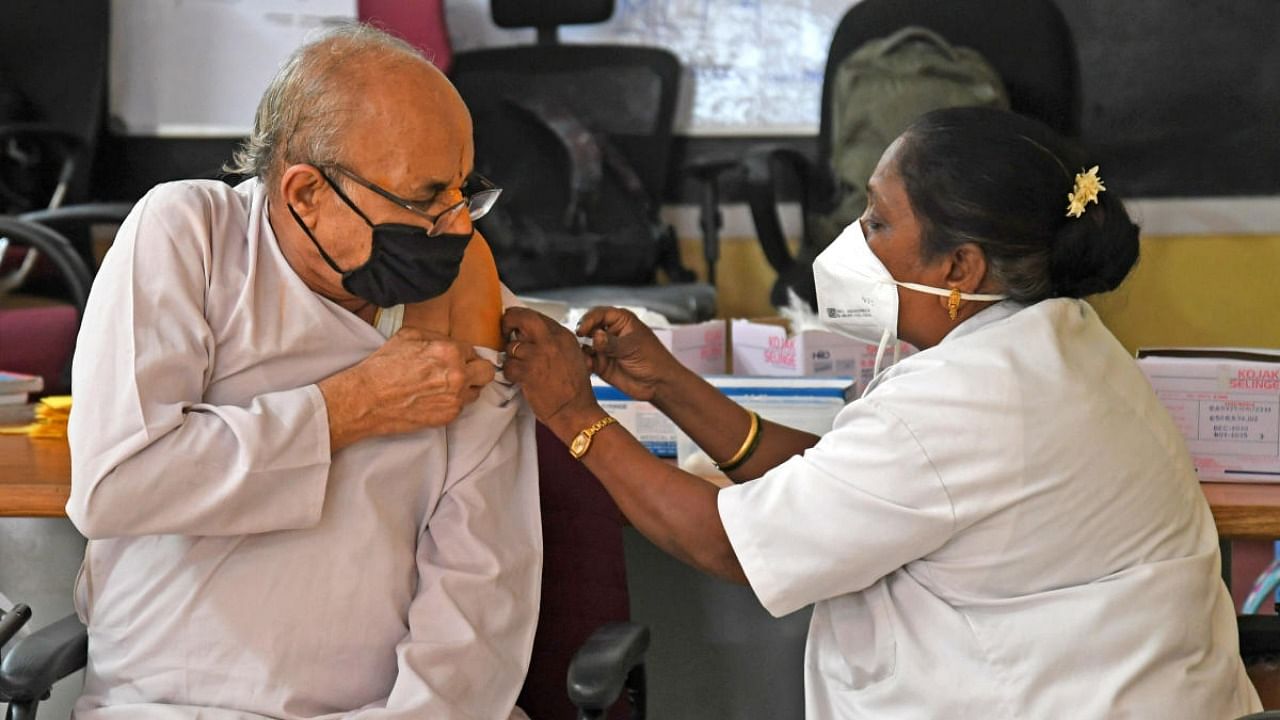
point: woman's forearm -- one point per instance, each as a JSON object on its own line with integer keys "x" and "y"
{"x": 677, "y": 511}
{"x": 720, "y": 426}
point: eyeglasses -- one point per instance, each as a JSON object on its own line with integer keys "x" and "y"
{"x": 478, "y": 197}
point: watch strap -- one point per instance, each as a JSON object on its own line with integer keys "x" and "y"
{"x": 582, "y": 441}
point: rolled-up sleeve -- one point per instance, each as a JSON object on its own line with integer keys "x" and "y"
{"x": 148, "y": 455}
{"x": 861, "y": 503}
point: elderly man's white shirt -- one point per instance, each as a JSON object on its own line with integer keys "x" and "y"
{"x": 1007, "y": 525}
{"x": 235, "y": 569}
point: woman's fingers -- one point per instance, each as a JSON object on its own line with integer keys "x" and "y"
{"x": 608, "y": 319}
{"x": 524, "y": 324}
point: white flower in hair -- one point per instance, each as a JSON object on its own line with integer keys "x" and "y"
{"x": 1086, "y": 190}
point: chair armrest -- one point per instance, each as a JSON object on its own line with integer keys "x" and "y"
{"x": 11, "y": 622}
{"x": 75, "y": 272}
{"x": 42, "y": 658}
{"x": 762, "y": 197}
{"x": 600, "y": 668}
{"x": 79, "y": 215}
{"x": 75, "y": 222}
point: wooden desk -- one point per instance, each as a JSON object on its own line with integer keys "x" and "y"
{"x": 35, "y": 481}
{"x": 1245, "y": 511}
{"x": 35, "y": 476}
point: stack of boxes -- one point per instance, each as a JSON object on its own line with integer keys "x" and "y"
{"x": 801, "y": 380}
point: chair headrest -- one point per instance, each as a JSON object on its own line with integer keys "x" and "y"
{"x": 549, "y": 13}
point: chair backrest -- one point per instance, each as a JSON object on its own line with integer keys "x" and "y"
{"x": 625, "y": 93}
{"x": 548, "y": 16}
{"x": 1027, "y": 41}
{"x": 584, "y": 577}
{"x": 539, "y": 111}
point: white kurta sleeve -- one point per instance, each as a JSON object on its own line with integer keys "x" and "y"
{"x": 148, "y": 456}
{"x": 861, "y": 503}
{"x": 472, "y": 622}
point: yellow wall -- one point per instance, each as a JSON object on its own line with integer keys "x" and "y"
{"x": 1185, "y": 290}
{"x": 1199, "y": 290}
{"x": 743, "y": 276}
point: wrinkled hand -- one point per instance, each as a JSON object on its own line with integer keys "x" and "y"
{"x": 626, "y": 353}
{"x": 414, "y": 380}
{"x": 547, "y": 360}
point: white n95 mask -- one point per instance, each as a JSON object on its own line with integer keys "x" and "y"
{"x": 857, "y": 295}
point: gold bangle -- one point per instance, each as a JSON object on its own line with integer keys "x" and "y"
{"x": 748, "y": 446}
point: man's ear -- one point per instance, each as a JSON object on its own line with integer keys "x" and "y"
{"x": 301, "y": 186}
{"x": 968, "y": 269}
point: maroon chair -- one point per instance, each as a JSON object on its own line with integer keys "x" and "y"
{"x": 422, "y": 24}
{"x": 584, "y": 583}
{"x": 38, "y": 338}
{"x": 39, "y": 341}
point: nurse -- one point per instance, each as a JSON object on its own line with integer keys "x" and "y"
{"x": 1006, "y": 524}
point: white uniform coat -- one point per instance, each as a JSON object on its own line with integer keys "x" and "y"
{"x": 235, "y": 569}
{"x": 1007, "y": 525}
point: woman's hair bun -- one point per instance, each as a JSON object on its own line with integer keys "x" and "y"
{"x": 1094, "y": 252}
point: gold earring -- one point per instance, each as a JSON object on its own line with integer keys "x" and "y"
{"x": 953, "y": 303}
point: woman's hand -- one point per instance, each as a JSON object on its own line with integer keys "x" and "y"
{"x": 626, "y": 353}
{"x": 553, "y": 368}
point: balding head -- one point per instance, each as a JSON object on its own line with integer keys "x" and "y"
{"x": 316, "y": 94}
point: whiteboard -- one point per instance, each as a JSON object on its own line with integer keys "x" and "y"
{"x": 197, "y": 68}
{"x": 752, "y": 67}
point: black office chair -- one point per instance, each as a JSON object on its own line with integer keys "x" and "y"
{"x": 54, "y": 59}
{"x": 607, "y": 664}
{"x": 76, "y": 222}
{"x": 624, "y": 94}
{"x": 584, "y": 643}
{"x": 53, "y": 73}
{"x": 29, "y": 670}
{"x": 1027, "y": 41}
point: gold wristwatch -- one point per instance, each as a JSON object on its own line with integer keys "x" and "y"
{"x": 582, "y": 441}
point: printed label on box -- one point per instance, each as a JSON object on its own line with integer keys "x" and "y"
{"x": 1227, "y": 411}
{"x": 767, "y": 350}
{"x": 653, "y": 429}
{"x": 699, "y": 347}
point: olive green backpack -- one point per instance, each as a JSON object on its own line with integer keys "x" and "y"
{"x": 877, "y": 91}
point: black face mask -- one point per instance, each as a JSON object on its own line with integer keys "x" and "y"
{"x": 405, "y": 264}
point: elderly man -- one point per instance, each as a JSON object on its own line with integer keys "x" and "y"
{"x": 291, "y": 514}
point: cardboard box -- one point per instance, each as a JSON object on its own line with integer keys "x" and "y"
{"x": 1226, "y": 402}
{"x": 653, "y": 429}
{"x": 809, "y": 404}
{"x": 767, "y": 348}
{"x": 867, "y": 361}
{"x": 699, "y": 347}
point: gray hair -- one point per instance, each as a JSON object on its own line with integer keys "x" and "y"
{"x": 303, "y": 110}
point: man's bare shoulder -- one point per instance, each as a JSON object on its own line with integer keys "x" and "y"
{"x": 471, "y": 310}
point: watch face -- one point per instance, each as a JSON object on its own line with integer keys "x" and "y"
{"x": 579, "y": 445}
